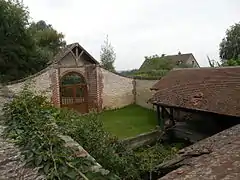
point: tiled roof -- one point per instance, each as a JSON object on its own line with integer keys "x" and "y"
{"x": 179, "y": 57}
{"x": 214, "y": 90}
{"x": 221, "y": 160}
{"x": 63, "y": 52}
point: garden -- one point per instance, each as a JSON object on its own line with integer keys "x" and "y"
{"x": 35, "y": 125}
{"x": 128, "y": 121}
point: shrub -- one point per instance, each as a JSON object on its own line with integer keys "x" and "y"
{"x": 30, "y": 122}
{"x": 106, "y": 149}
{"x": 35, "y": 125}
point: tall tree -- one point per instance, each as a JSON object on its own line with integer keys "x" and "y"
{"x": 17, "y": 48}
{"x": 46, "y": 37}
{"x": 107, "y": 56}
{"x": 24, "y": 48}
{"x": 230, "y": 46}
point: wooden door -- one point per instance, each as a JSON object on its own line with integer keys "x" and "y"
{"x": 74, "y": 93}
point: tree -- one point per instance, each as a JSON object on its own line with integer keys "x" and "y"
{"x": 24, "y": 48}
{"x": 107, "y": 56}
{"x": 213, "y": 63}
{"x": 17, "y": 48}
{"x": 230, "y": 46}
{"x": 46, "y": 37}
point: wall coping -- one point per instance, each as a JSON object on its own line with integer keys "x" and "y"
{"x": 31, "y": 76}
{"x": 61, "y": 66}
{"x": 141, "y": 139}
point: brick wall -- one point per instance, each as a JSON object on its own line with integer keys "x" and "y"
{"x": 91, "y": 75}
{"x": 55, "y": 88}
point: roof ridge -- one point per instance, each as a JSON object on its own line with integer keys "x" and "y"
{"x": 179, "y": 54}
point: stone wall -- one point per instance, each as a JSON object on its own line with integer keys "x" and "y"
{"x": 106, "y": 90}
{"x": 142, "y": 139}
{"x": 143, "y": 92}
{"x": 117, "y": 90}
{"x": 41, "y": 83}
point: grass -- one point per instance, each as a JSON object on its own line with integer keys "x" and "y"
{"x": 129, "y": 121}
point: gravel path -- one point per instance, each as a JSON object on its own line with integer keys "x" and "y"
{"x": 11, "y": 160}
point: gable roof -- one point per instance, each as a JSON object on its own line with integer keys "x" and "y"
{"x": 175, "y": 59}
{"x": 179, "y": 57}
{"x": 63, "y": 52}
{"x": 214, "y": 90}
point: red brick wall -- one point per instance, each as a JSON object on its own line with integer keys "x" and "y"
{"x": 100, "y": 88}
{"x": 92, "y": 76}
{"x": 55, "y": 88}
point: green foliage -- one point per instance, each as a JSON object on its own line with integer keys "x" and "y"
{"x": 24, "y": 49}
{"x": 232, "y": 62}
{"x": 17, "y": 48}
{"x": 155, "y": 67}
{"x": 129, "y": 121}
{"x": 35, "y": 126}
{"x": 89, "y": 132}
{"x": 154, "y": 74}
{"x": 46, "y": 37}
{"x": 30, "y": 122}
{"x": 156, "y": 63}
{"x": 107, "y": 56}
{"x": 154, "y": 155}
{"x": 230, "y": 45}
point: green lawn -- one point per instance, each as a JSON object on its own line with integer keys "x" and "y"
{"x": 129, "y": 121}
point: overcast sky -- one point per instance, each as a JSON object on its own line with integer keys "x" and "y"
{"x": 139, "y": 28}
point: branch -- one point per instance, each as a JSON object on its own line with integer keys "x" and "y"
{"x": 79, "y": 172}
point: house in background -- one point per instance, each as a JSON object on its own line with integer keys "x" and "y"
{"x": 187, "y": 60}
{"x": 207, "y": 98}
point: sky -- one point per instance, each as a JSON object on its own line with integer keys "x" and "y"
{"x": 139, "y": 28}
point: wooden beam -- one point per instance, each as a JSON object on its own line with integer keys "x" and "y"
{"x": 166, "y": 114}
{"x": 80, "y": 54}
{"x": 158, "y": 115}
{"x": 171, "y": 116}
{"x": 76, "y": 52}
{"x": 76, "y": 56}
{"x": 162, "y": 118}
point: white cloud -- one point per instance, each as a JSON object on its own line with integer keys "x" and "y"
{"x": 138, "y": 28}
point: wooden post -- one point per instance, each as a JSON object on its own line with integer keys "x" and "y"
{"x": 162, "y": 118}
{"x": 158, "y": 115}
{"x": 171, "y": 116}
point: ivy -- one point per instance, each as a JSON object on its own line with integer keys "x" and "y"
{"x": 35, "y": 125}
{"x": 30, "y": 122}
{"x": 105, "y": 148}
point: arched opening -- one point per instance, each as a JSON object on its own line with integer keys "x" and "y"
{"x": 73, "y": 90}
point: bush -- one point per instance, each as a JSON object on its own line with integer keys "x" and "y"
{"x": 106, "y": 149}
{"x": 35, "y": 124}
{"x": 30, "y": 122}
